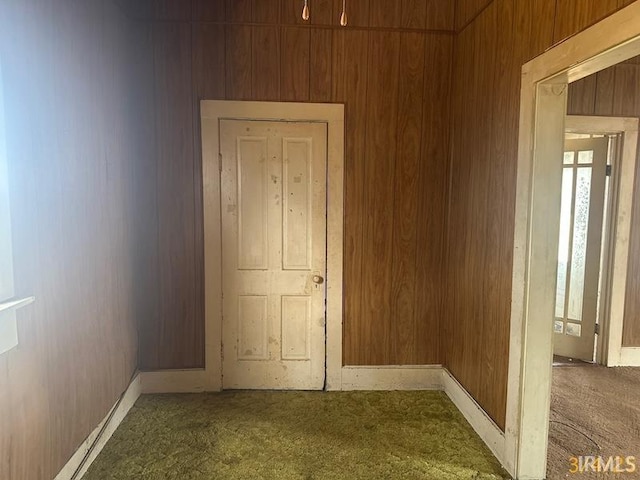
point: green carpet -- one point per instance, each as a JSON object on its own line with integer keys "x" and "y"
{"x": 295, "y": 435}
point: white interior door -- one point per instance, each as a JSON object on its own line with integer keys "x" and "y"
{"x": 581, "y": 217}
{"x": 273, "y": 204}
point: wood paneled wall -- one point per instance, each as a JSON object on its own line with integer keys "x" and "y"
{"x": 488, "y": 55}
{"x": 391, "y": 68}
{"x": 616, "y": 92}
{"x": 74, "y": 140}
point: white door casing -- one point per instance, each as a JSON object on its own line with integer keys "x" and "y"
{"x": 273, "y": 216}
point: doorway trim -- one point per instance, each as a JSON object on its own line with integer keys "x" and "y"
{"x": 212, "y": 111}
{"x": 537, "y": 214}
{"x": 617, "y": 230}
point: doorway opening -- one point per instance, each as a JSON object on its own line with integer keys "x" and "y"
{"x": 598, "y": 152}
{"x": 538, "y": 208}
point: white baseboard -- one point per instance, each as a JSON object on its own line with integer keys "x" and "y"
{"x": 428, "y": 377}
{"x": 84, "y": 456}
{"x": 484, "y": 426}
{"x": 630, "y": 357}
{"x": 178, "y": 381}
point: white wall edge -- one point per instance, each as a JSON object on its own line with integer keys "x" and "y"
{"x": 95, "y": 442}
{"x": 484, "y": 426}
{"x": 178, "y": 381}
{"x": 419, "y": 377}
{"x": 629, "y": 357}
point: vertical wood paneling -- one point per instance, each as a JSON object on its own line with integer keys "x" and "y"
{"x": 626, "y": 90}
{"x": 266, "y": 11}
{"x": 433, "y": 174}
{"x": 320, "y": 65}
{"x": 294, "y": 66}
{"x": 382, "y": 103}
{"x": 605, "y": 84}
{"x": 176, "y": 212}
{"x": 573, "y": 16}
{"x": 413, "y": 13}
{"x": 207, "y": 11}
{"x": 402, "y": 347}
{"x": 176, "y": 10}
{"x": 238, "y": 61}
{"x": 266, "y": 60}
{"x": 238, "y": 11}
{"x": 440, "y": 14}
{"x": 75, "y": 143}
{"x": 581, "y": 98}
{"x": 350, "y": 74}
{"x": 323, "y": 13}
{"x": 208, "y": 82}
{"x": 383, "y": 13}
{"x": 466, "y": 10}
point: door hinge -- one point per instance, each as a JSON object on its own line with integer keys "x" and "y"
{"x": 597, "y": 329}
{"x": 609, "y": 169}
{"x": 220, "y": 162}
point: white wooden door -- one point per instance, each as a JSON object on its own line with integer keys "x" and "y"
{"x": 273, "y": 254}
{"x": 579, "y": 251}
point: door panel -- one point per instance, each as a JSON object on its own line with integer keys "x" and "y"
{"x": 581, "y": 217}
{"x": 274, "y": 254}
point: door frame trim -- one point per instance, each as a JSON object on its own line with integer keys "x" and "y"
{"x": 211, "y": 112}
{"x": 617, "y": 231}
{"x": 543, "y": 99}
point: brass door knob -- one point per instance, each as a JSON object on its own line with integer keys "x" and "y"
{"x": 318, "y": 279}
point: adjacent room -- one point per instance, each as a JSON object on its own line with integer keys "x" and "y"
{"x": 309, "y": 239}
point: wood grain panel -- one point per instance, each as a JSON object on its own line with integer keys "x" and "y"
{"x": 323, "y": 13}
{"x": 605, "y": 84}
{"x": 292, "y": 12}
{"x": 177, "y": 10}
{"x": 581, "y": 98}
{"x": 413, "y": 13}
{"x": 440, "y": 14}
{"x": 266, "y": 60}
{"x": 572, "y": 16}
{"x": 320, "y": 65}
{"x": 382, "y": 103}
{"x": 238, "y": 61}
{"x": 626, "y": 90}
{"x": 266, "y": 11}
{"x": 294, "y": 66}
{"x": 75, "y": 143}
{"x": 402, "y": 347}
{"x": 383, "y": 13}
{"x": 350, "y": 77}
{"x": 467, "y": 10}
{"x": 238, "y": 11}
{"x": 207, "y": 11}
{"x": 208, "y": 82}
{"x": 433, "y": 174}
{"x": 176, "y": 215}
